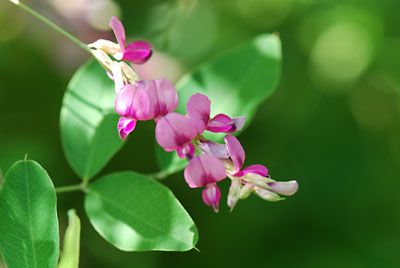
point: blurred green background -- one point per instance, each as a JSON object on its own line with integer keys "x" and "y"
{"x": 333, "y": 123}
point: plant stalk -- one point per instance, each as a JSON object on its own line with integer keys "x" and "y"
{"x": 70, "y": 188}
{"x": 52, "y": 25}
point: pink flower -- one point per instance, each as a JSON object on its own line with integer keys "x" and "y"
{"x": 137, "y": 52}
{"x": 206, "y": 170}
{"x": 198, "y": 108}
{"x": 144, "y": 101}
{"x": 174, "y": 132}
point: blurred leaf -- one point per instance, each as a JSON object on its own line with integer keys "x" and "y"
{"x": 1, "y": 177}
{"x": 136, "y": 213}
{"x": 28, "y": 217}
{"x": 173, "y": 27}
{"x": 236, "y": 82}
{"x": 88, "y": 121}
{"x": 169, "y": 162}
{"x": 70, "y": 253}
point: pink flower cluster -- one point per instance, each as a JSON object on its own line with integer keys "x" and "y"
{"x": 209, "y": 162}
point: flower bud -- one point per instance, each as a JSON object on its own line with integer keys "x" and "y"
{"x": 267, "y": 195}
{"x": 246, "y": 190}
{"x": 107, "y": 46}
{"x": 103, "y": 59}
{"x": 258, "y": 180}
{"x": 211, "y": 196}
{"x": 234, "y": 192}
{"x": 129, "y": 73}
{"x": 284, "y": 187}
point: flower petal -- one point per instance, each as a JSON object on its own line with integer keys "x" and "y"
{"x": 267, "y": 195}
{"x": 235, "y": 150}
{"x": 284, "y": 187}
{"x": 216, "y": 149}
{"x": 211, "y": 196}
{"x": 220, "y": 123}
{"x": 204, "y": 169}
{"x": 225, "y": 124}
{"x": 125, "y": 126}
{"x": 117, "y": 76}
{"x": 198, "y": 109}
{"x": 237, "y": 123}
{"x": 174, "y": 130}
{"x": 119, "y": 32}
{"x": 186, "y": 151}
{"x": 257, "y": 169}
{"x": 246, "y": 191}
{"x": 137, "y": 52}
{"x": 132, "y": 101}
{"x": 234, "y": 191}
{"x": 163, "y": 97}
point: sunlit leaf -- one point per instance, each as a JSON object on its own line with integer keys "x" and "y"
{"x": 236, "y": 82}
{"x": 136, "y": 213}
{"x": 70, "y": 252}
{"x": 28, "y": 217}
{"x": 88, "y": 121}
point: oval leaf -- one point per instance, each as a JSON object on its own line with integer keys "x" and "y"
{"x": 28, "y": 217}
{"x": 236, "y": 82}
{"x": 88, "y": 121}
{"x": 136, "y": 213}
{"x": 70, "y": 253}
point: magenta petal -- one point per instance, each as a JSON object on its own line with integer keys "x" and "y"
{"x": 284, "y": 187}
{"x": 215, "y": 149}
{"x": 125, "y": 126}
{"x": 204, "y": 169}
{"x": 119, "y": 32}
{"x": 132, "y": 101}
{"x": 237, "y": 123}
{"x": 137, "y": 52}
{"x": 174, "y": 130}
{"x": 211, "y": 196}
{"x": 186, "y": 151}
{"x": 235, "y": 150}
{"x": 257, "y": 169}
{"x": 163, "y": 97}
{"x": 220, "y": 123}
{"x": 198, "y": 109}
{"x": 225, "y": 124}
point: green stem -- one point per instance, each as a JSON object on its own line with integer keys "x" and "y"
{"x": 52, "y": 25}
{"x": 70, "y": 188}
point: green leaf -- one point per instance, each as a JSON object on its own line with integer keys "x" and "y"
{"x": 169, "y": 162}
{"x": 88, "y": 121}
{"x": 1, "y": 177}
{"x": 70, "y": 253}
{"x": 236, "y": 82}
{"x": 136, "y": 213}
{"x": 28, "y": 217}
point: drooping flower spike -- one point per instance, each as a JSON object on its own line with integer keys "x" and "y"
{"x": 199, "y": 108}
{"x": 137, "y": 52}
{"x": 143, "y": 101}
{"x": 205, "y": 171}
{"x": 157, "y": 99}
